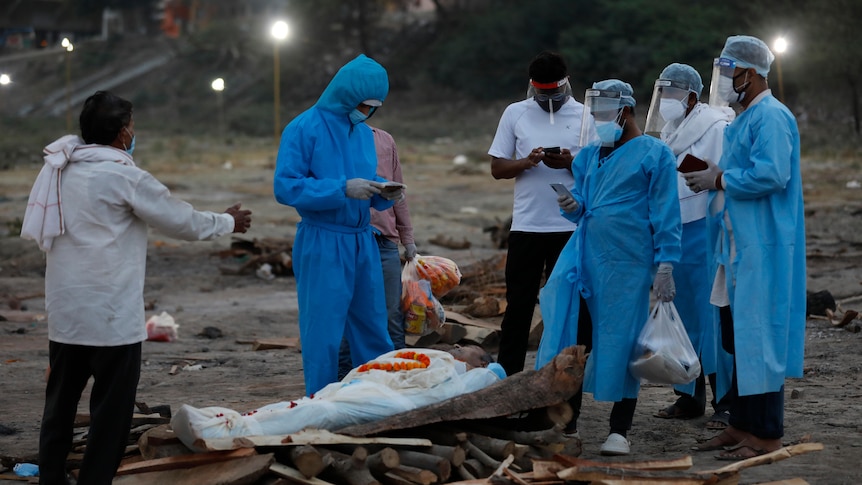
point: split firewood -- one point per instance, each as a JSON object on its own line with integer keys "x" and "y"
{"x": 552, "y": 384}
{"x": 546, "y": 466}
{"x": 542, "y": 437}
{"x": 308, "y": 437}
{"x": 777, "y": 455}
{"x": 247, "y": 469}
{"x": 441, "y": 435}
{"x": 275, "y": 343}
{"x": 183, "y": 461}
{"x": 439, "y": 465}
{"x": 609, "y": 474}
{"x": 160, "y": 442}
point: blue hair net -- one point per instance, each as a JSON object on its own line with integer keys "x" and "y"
{"x": 624, "y": 88}
{"x": 684, "y": 74}
{"x": 748, "y": 52}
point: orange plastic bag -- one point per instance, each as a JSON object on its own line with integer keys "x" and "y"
{"x": 422, "y": 312}
{"x": 442, "y": 273}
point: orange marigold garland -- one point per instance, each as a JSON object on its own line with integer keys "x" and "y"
{"x": 420, "y": 361}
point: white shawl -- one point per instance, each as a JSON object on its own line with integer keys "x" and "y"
{"x": 43, "y": 219}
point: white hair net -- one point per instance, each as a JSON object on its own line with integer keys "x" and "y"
{"x": 684, "y": 74}
{"x": 624, "y": 88}
{"x": 748, "y": 51}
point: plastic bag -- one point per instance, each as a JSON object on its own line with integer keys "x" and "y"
{"x": 664, "y": 354}
{"x": 422, "y": 312}
{"x": 442, "y": 273}
{"x": 161, "y": 328}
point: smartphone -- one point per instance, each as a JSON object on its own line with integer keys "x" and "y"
{"x": 691, "y": 163}
{"x": 560, "y": 189}
{"x": 392, "y": 186}
{"x": 555, "y": 150}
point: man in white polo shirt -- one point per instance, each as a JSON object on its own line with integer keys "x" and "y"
{"x": 536, "y": 140}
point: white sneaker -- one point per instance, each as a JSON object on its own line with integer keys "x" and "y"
{"x": 616, "y": 445}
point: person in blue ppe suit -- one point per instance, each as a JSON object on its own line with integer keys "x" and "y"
{"x": 327, "y": 169}
{"x": 692, "y": 128}
{"x": 628, "y": 236}
{"x": 756, "y": 197}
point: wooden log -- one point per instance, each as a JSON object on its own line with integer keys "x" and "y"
{"x": 383, "y": 461}
{"x": 543, "y": 437}
{"x": 683, "y": 463}
{"x": 475, "y": 468}
{"x": 451, "y": 333}
{"x": 607, "y": 474}
{"x": 493, "y": 447}
{"x": 552, "y": 384}
{"x": 480, "y": 455}
{"x": 294, "y": 475}
{"x": 777, "y": 455}
{"x": 441, "y": 435}
{"x": 464, "y": 473}
{"x": 240, "y": 471}
{"x": 439, "y": 465}
{"x": 183, "y": 461}
{"x": 307, "y": 460}
{"x": 455, "y": 454}
{"x": 308, "y": 437}
{"x": 160, "y": 442}
{"x": 275, "y": 343}
{"x": 350, "y": 470}
{"x": 414, "y": 474}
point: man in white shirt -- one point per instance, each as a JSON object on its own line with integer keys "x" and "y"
{"x": 536, "y": 140}
{"x": 95, "y": 239}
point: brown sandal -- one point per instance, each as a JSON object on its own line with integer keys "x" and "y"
{"x": 720, "y": 441}
{"x": 742, "y": 451}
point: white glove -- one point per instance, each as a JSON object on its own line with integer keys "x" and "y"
{"x": 409, "y": 251}
{"x": 704, "y": 179}
{"x": 362, "y": 189}
{"x": 567, "y": 203}
{"x": 664, "y": 287}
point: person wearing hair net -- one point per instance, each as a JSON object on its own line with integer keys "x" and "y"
{"x": 628, "y": 237}
{"x": 327, "y": 170}
{"x": 549, "y": 117}
{"x": 692, "y": 128}
{"x": 756, "y": 198}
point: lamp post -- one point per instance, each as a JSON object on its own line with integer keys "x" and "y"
{"x": 218, "y": 87}
{"x": 4, "y": 80}
{"x": 780, "y": 46}
{"x": 67, "y": 44}
{"x": 279, "y": 32}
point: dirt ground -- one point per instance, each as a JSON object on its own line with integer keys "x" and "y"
{"x": 184, "y": 280}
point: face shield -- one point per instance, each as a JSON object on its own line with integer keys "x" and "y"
{"x": 667, "y": 107}
{"x": 552, "y": 96}
{"x": 721, "y": 92}
{"x": 602, "y": 108}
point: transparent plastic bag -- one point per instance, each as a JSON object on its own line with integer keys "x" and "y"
{"x": 663, "y": 353}
{"x": 442, "y": 273}
{"x": 422, "y": 312}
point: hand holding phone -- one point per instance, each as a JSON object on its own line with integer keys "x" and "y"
{"x": 561, "y": 189}
{"x": 691, "y": 163}
{"x": 554, "y": 150}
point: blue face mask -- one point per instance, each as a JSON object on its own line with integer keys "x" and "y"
{"x": 357, "y": 117}
{"x": 131, "y": 147}
{"x": 609, "y": 131}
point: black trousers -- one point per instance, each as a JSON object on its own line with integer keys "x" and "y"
{"x": 623, "y": 411}
{"x": 115, "y": 372}
{"x": 759, "y": 414}
{"x": 531, "y": 255}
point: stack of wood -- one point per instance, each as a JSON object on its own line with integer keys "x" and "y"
{"x": 276, "y": 254}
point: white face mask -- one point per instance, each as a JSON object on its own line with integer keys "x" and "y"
{"x": 727, "y": 91}
{"x": 672, "y": 109}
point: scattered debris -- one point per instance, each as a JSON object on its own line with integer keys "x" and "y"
{"x": 450, "y": 243}
{"x": 211, "y": 333}
{"x": 253, "y": 255}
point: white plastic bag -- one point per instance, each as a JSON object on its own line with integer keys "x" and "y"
{"x": 664, "y": 354}
{"x": 162, "y": 328}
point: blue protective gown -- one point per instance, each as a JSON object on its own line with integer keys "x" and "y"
{"x": 763, "y": 198}
{"x": 628, "y": 222}
{"x": 336, "y": 260}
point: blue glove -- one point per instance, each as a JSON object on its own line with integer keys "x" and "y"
{"x": 703, "y": 179}
{"x": 664, "y": 287}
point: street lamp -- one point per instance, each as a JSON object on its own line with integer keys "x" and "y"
{"x": 4, "y": 80}
{"x": 279, "y": 32}
{"x": 780, "y": 46}
{"x": 67, "y": 44}
{"x": 218, "y": 87}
